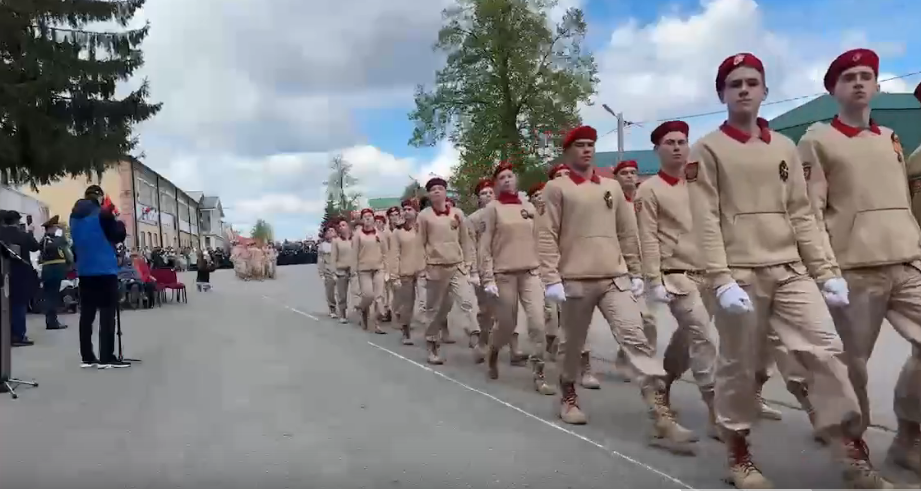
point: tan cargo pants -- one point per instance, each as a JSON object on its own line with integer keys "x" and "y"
{"x": 884, "y": 292}
{"x": 526, "y": 287}
{"x": 371, "y": 286}
{"x": 788, "y": 301}
{"x": 486, "y": 310}
{"x": 621, "y": 310}
{"x": 551, "y": 318}
{"x": 691, "y": 345}
{"x": 650, "y": 329}
{"x": 445, "y": 285}
{"x": 405, "y": 305}
{"x": 344, "y": 281}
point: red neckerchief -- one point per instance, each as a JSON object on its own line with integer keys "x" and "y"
{"x": 367, "y": 232}
{"x": 577, "y": 179}
{"x": 509, "y": 198}
{"x": 444, "y": 213}
{"x": 671, "y": 180}
{"x": 742, "y": 137}
{"x": 852, "y": 131}
{"x": 628, "y": 198}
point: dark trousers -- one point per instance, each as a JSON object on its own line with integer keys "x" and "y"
{"x": 98, "y": 293}
{"x": 52, "y": 276}
{"x": 18, "y": 312}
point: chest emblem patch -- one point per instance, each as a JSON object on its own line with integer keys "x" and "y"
{"x": 807, "y": 170}
{"x": 526, "y": 214}
{"x": 897, "y": 147}
{"x": 638, "y": 206}
{"x": 690, "y": 171}
{"x": 609, "y": 200}
{"x": 783, "y": 170}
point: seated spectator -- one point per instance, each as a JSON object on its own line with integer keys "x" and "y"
{"x": 131, "y": 279}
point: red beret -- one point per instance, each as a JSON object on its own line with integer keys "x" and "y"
{"x": 536, "y": 189}
{"x": 380, "y": 218}
{"x": 625, "y": 164}
{"x": 736, "y": 61}
{"x": 580, "y": 133}
{"x": 668, "y": 127}
{"x": 918, "y": 92}
{"x": 450, "y": 201}
{"x": 484, "y": 182}
{"x": 848, "y": 60}
{"x": 556, "y": 168}
{"x": 366, "y": 210}
{"x": 393, "y": 209}
{"x": 436, "y": 181}
{"x": 409, "y": 202}
{"x": 502, "y": 167}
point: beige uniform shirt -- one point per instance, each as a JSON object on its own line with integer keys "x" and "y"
{"x": 749, "y": 205}
{"x": 445, "y": 237}
{"x": 664, "y": 218}
{"x": 341, "y": 255}
{"x": 859, "y": 189}
{"x": 589, "y": 233}
{"x": 914, "y": 182}
{"x": 508, "y": 243}
{"x": 408, "y": 256}
{"x": 370, "y": 250}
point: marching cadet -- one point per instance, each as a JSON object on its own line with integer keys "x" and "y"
{"x": 370, "y": 249}
{"x": 341, "y": 260}
{"x": 448, "y": 252}
{"x": 394, "y": 222}
{"x": 760, "y": 244}
{"x": 551, "y": 309}
{"x": 407, "y": 263}
{"x": 672, "y": 266}
{"x": 590, "y": 257}
{"x": 864, "y": 212}
{"x": 509, "y": 271}
{"x": 327, "y": 268}
{"x": 914, "y": 173}
{"x": 587, "y": 379}
{"x": 626, "y": 174}
{"x": 479, "y": 338}
{"x": 380, "y": 223}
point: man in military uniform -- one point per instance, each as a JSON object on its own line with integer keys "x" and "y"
{"x": 55, "y": 259}
{"x": 23, "y": 280}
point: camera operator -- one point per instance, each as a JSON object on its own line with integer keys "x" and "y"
{"x": 55, "y": 259}
{"x": 95, "y": 233}
{"x": 23, "y": 279}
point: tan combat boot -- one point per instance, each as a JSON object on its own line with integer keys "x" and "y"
{"x": 667, "y": 433}
{"x": 551, "y": 347}
{"x": 713, "y": 431}
{"x": 588, "y": 380}
{"x": 407, "y": 337}
{"x": 743, "y": 474}
{"x": 801, "y": 394}
{"x": 859, "y": 472}
{"x": 905, "y": 450}
{"x": 569, "y": 405}
{"x": 669, "y": 380}
{"x": 516, "y": 356}
{"x": 540, "y": 381}
{"x": 492, "y": 363}
{"x": 480, "y": 347}
{"x": 434, "y": 358}
{"x": 332, "y": 313}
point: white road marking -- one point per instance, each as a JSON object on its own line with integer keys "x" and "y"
{"x": 613, "y": 453}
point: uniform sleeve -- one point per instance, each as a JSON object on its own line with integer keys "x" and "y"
{"x": 913, "y": 170}
{"x": 334, "y": 255}
{"x": 473, "y": 234}
{"x": 647, "y": 219}
{"x": 703, "y": 190}
{"x": 488, "y": 219}
{"x": 424, "y": 236}
{"x": 395, "y": 255}
{"x": 466, "y": 243}
{"x": 816, "y": 186}
{"x": 628, "y": 236}
{"x": 808, "y": 238}
{"x": 356, "y": 251}
{"x": 548, "y": 243}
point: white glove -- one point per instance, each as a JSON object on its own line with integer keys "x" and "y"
{"x": 474, "y": 279}
{"x": 835, "y": 292}
{"x": 491, "y": 289}
{"x": 396, "y": 282}
{"x": 733, "y": 299}
{"x": 637, "y": 286}
{"x": 386, "y": 277}
{"x": 555, "y": 293}
{"x": 660, "y": 294}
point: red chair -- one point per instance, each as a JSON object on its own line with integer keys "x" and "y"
{"x": 143, "y": 270}
{"x": 169, "y": 280}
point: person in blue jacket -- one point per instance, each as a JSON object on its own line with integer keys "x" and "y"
{"x": 95, "y": 232}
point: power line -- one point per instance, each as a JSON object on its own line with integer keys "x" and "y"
{"x": 723, "y": 111}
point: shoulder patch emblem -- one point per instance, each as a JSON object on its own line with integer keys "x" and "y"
{"x": 481, "y": 226}
{"x": 526, "y": 214}
{"x": 638, "y": 206}
{"x": 609, "y": 200}
{"x": 783, "y": 170}
{"x": 914, "y": 185}
{"x": 897, "y": 147}
{"x": 807, "y": 170}
{"x": 690, "y": 171}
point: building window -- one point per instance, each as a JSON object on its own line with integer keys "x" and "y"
{"x": 146, "y": 192}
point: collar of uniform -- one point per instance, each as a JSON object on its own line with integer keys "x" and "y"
{"x": 509, "y": 198}
{"x": 442, "y": 213}
{"x": 764, "y": 133}
{"x": 577, "y": 179}
{"x": 671, "y": 180}
{"x": 408, "y": 226}
{"x": 368, "y": 232}
{"x": 628, "y": 197}
{"x": 852, "y": 131}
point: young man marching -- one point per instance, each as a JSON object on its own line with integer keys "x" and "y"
{"x": 370, "y": 249}
{"x": 448, "y": 253}
{"x": 763, "y": 255}
{"x": 590, "y": 257}
{"x": 856, "y": 176}
{"x": 341, "y": 261}
{"x": 407, "y": 263}
{"x": 327, "y": 268}
{"x": 672, "y": 266}
{"x": 485, "y": 316}
{"x": 551, "y": 309}
{"x": 394, "y": 222}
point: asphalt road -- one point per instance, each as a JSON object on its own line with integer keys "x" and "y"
{"x": 252, "y": 386}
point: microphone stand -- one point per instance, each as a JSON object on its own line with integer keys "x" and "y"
{"x": 118, "y": 332}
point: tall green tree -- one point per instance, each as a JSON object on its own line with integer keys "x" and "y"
{"x": 262, "y": 232}
{"x": 511, "y": 84}
{"x": 330, "y": 213}
{"x": 340, "y": 186}
{"x": 58, "y": 112}
{"x": 413, "y": 190}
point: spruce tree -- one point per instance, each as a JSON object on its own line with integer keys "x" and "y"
{"x": 58, "y": 112}
{"x": 329, "y": 214}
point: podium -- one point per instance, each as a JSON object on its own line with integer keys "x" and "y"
{"x": 8, "y": 254}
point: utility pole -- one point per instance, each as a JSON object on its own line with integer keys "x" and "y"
{"x": 621, "y": 127}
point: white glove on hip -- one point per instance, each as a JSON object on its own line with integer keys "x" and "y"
{"x": 733, "y": 299}
{"x": 660, "y": 294}
{"x": 474, "y": 279}
{"x": 637, "y": 286}
{"x": 555, "y": 293}
{"x": 836, "y": 292}
{"x": 491, "y": 289}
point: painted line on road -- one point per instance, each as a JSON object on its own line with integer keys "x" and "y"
{"x": 292, "y": 309}
{"x": 551, "y": 424}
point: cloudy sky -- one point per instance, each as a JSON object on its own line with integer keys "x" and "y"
{"x": 259, "y": 94}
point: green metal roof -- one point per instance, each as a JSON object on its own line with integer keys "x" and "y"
{"x": 646, "y": 160}
{"x": 383, "y": 203}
